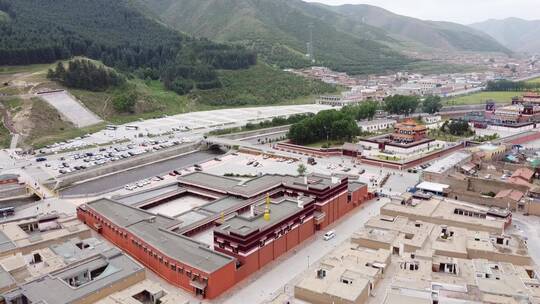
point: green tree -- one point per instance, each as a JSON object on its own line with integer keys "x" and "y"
{"x": 326, "y": 125}
{"x": 125, "y": 102}
{"x": 401, "y": 105}
{"x": 432, "y": 104}
{"x": 301, "y": 169}
{"x": 367, "y": 110}
{"x": 456, "y": 127}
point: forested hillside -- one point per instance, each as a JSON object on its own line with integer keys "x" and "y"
{"x": 116, "y": 33}
{"x": 279, "y": 30}
{"x": 357, "y": 39}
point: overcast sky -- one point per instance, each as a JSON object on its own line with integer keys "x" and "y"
{"x": 462, "y": 11}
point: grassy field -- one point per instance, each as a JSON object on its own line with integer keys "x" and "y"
{"x": 13, "y": 105}
{"x": 534, "y": 80}
{"x": 481, "y": 97}
{"x": 261, "y": 85}
{"x": 5, "y": 137}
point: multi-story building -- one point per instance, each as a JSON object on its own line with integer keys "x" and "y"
{"x": 408, "y": 132}
{"x": 248, "y": 224}
{"x": 449, "y": 212}
{"x": 26, "y": 235}
{"x": 76, "y": 272}
{"x": 397, "y": 260}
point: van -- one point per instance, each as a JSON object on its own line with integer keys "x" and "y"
{"x": 329, "y": 235}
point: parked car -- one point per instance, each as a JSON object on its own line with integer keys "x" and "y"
{"x": 329, "y": 235}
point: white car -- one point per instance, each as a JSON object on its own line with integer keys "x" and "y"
{"x": 329, "y": 235}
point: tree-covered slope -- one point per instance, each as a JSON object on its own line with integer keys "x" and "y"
{"x": 118, "y": 34}
{"x": 352, "y": 38}
{"x": 280, "y": 29}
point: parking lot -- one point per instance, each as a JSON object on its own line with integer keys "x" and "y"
{"x": 191, "y": 125}
{"x": 120, "y": 179}
{"x": 244, "y": 165}
{"x": 57, "y": 165}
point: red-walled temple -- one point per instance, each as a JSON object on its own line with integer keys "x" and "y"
{"x": 252, "y": 224}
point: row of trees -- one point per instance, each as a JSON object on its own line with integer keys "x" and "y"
{"x": 341, "y": 125}
{"x": 406, "y": 105}
{"x": 84, "y": 74}
{"x": 507, "y": 85}
{"x": 365, "y": 110}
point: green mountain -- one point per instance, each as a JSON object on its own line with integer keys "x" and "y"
{"x": 429, "y": 34}
{"x": 118, "y": 34}
{"x": 517, "y": 34}
{"x": 153, "y": 56}
{"x": 279, "y": 31}
{"x": 353, "y": 38}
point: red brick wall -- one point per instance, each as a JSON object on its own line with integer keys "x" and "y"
{"x": 218, "y": 281}
{"x": 272, "y": 250}
{"x": 306, "y": 230}
{"x": 9, "y": 181}
{"x": 292, "y": 238}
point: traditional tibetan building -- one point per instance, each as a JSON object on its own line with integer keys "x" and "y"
{"x": 408, "y": 132}
{"x": 408, "y": 137}
{"x": 237, "y": 228}
{"x": 522, "y": 112}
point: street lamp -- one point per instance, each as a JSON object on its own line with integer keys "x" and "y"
{"x": 308, "y": 261}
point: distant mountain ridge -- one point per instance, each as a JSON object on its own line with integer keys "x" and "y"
{"x": 354, "y": 38}
{"x": 516, "y": 34}
{"x": 432, "y": 34}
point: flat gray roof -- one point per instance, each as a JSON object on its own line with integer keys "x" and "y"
{"x": 355, "y": 185}
{"x": 221, "y": 204}
{"x": 257, "y": 185}
{"x": 70, "y": 252}
{"x": 279, "y": 210}
{"x": 141, "y": 196}
{"x": 218, "y": 183}
{"x": 6, "y": 280}
{"x": 193, "y": 216}
{"x": 448, "y": 162}
{"x": 5, "y": 243}
{"x": 155, "y": 230}
{"x": 52, "y": 288}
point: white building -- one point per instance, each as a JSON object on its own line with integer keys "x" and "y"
{"x": 376, "y": 125}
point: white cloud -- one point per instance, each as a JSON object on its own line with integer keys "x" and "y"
{"x": 462, "y": 11}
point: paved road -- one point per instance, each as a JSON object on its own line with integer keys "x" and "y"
{"x": 528, "y": 226}
{"x": 14, "y": 141}
{"x": 270, "y": 281}
{"x": 114, "y": 181}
